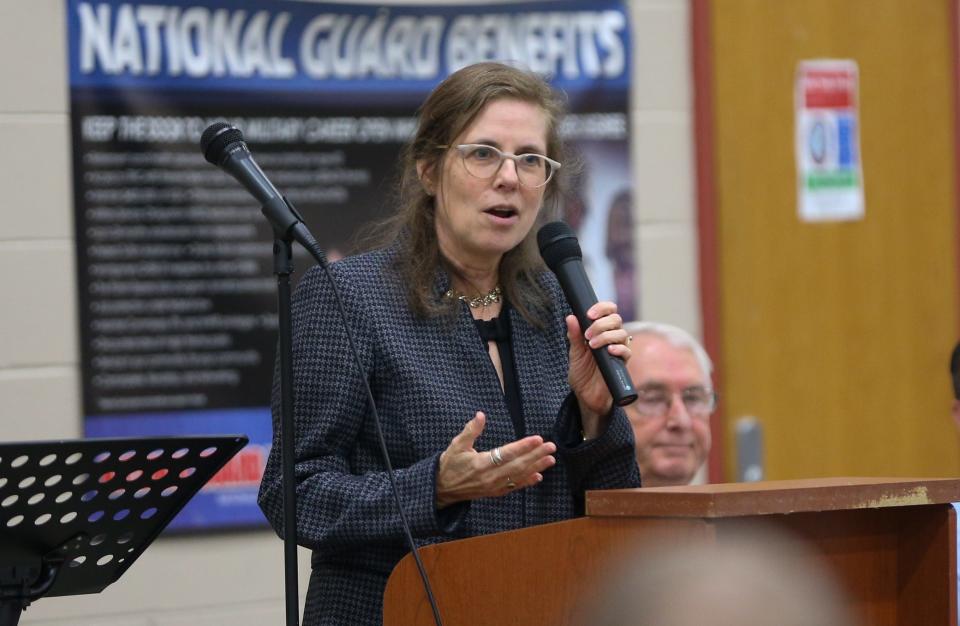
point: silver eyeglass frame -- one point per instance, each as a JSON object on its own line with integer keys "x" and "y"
{"x": 670, "y": 399}
{"x": 465, "y": 147}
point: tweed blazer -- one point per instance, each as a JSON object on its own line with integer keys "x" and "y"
{"x": 428, "y": 377}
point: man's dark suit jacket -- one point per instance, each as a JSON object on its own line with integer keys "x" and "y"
{"x": 429, "y": 377}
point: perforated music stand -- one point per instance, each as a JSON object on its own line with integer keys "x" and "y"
{"x": 74, "y": 515}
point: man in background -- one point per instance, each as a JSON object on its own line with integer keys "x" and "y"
{"x": 671, "y": 417}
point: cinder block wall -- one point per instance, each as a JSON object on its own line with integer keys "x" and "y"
{"x": 237, "y": 578}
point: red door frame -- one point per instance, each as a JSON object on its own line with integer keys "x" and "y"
{"x": 709, "y": 257}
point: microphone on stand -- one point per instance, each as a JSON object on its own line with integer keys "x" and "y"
{"x": 223, "y": 146}
{"x": 561, "y": 252}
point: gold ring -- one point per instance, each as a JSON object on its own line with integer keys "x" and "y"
{"x": 510, "y": 483}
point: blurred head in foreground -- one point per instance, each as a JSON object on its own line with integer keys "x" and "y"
{"x": 760, "y": 579}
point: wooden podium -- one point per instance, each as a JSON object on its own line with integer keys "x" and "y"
{"x": 891, "y": 542}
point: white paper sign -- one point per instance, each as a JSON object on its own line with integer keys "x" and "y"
{"x": 829, "y": 173}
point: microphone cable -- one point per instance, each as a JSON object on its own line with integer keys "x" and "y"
{"x": 220, "y": 145}
{"x": 321, "y": 259}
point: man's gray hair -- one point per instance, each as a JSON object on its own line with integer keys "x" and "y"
{"x": 676, "y": 337}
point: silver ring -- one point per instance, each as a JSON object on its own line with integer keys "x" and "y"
{"x": 495, "y": 457}
{"x": 510, "y": 483}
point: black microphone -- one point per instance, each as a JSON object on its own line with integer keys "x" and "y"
{"x": 561, "y": 252}
{"x": 223, "y": 145}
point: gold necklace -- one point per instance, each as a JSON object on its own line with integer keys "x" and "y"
{"x": 480, "y": 301}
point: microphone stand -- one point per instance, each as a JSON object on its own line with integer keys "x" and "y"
{"x": 222, "y": 145}
{"x": 288, "y": 226}
{"x": 282, "y": 268}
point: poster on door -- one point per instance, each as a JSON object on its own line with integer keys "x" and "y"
{"x": 829, "y": 171}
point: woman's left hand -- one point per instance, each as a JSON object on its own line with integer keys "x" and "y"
{"x": 584, "y": 376}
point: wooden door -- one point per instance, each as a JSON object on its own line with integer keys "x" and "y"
{"x": 836, "y": 336}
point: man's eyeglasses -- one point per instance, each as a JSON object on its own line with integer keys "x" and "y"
{"x": 533, "y": 170}
{"x": 656, "y": 401}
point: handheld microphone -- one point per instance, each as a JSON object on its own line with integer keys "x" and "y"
{"x": 561, "y": 252}
{"x": 223, "y": 146}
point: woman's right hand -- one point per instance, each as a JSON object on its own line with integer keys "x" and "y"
{"x": 466, "y": 474}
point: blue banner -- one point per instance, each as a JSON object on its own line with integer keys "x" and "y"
{"x": 176, "y": 297}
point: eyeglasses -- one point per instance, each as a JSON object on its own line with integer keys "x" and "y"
{"x": 656, "y": 401}
{"x": 482, "y": 161}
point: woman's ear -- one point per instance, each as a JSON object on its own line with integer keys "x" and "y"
{"x": 425, "y": 174}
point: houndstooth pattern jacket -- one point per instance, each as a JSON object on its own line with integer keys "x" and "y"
{"x": 428, "y": 377}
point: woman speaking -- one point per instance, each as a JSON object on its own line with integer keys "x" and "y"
{"x": 493, "y": 410}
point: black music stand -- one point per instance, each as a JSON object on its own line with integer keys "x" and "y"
{"x": 74, "y": 515}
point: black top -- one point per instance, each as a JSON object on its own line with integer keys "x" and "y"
{"x": 498, "y": 329}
